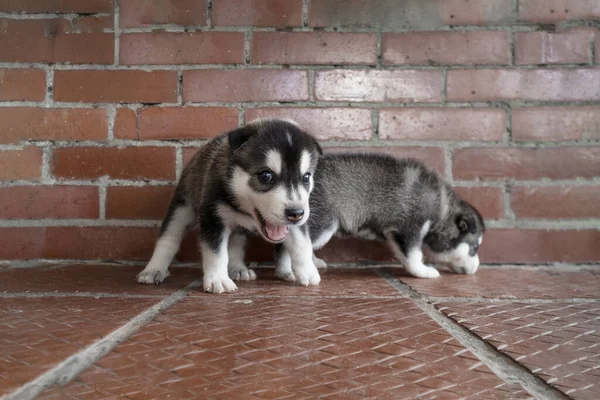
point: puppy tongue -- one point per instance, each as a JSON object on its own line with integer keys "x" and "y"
{"x": 276, "y": 232}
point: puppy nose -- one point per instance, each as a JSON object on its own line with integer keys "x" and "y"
{"x": 294, "y": 214}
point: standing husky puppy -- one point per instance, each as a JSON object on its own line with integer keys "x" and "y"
{"x": 395, "y": 200}
{"x": 256, "y": 178}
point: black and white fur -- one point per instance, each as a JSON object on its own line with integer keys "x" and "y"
{"x": 256, "y": 178}
{"x": 395, "y": 200}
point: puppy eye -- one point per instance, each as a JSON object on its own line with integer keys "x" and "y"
{"x": 265, "y": 176}
{"x": 306, "y": 178}
{"x": 475, "y": 247}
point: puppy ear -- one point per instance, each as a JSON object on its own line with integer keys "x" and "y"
{"x": 466, "y": 223}
{"x": 239, "y": 137}
{"x": 319, "y": 149}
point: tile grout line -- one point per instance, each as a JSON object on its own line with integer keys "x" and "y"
{"x": 506, "y": 368}
{"x": 72, "y": 366}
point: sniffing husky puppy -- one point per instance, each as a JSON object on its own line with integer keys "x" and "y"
{"x": 256, "y": 178}
{"x": 399, "y": 201}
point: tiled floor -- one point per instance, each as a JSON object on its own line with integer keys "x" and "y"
{"x": 355, "y": 336}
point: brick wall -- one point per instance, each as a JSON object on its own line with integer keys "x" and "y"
{"x": 103, "y": 102}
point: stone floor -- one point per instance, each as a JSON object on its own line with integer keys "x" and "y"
{"x": 91, "y": 332}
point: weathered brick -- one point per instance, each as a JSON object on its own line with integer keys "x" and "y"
{"x": 56, "y": 6}
{"x": 540, "y": 246}
{"x": 42, "y": 202}
{"x": 117, "y": 163}
{"x": 442, "y": 123}
{"x": 489, "y": 201}
{"x": 433, "y": 48}
{"x": 433, "y": 157}
{"x": 526, "y": 163}
{"x": 77, "y": 243}
{"x": 125, "y": 124}
{"x": 556, "y": 123}
{"x": 138, "y": 13}
{"x": 550, "y": 11}
{"x": 260, "y": 13}
{"x": 52, "y": 41}
{"x": 556, "y": 202}
{"x": 572, "y": 47}
{"x": 20, "y": 84}
{"x": 36, "y": 123}
{"x": 182, "y": 48}
{"x": 21, "y": 164}
{"x": 96, "y": 86}
{"x": 146, "y": 202}
{"x": 313, "y": 48}
{"x": 372, "y": 85}
{"x": 245, "y": 85}
{"x": 535, "y": 84}
{"x": 342, "y": 123}
{"x": 185, "y": 122}
{"x": 408, "y": 14}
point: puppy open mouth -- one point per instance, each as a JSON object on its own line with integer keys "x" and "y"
{"x": 275, "y": 233}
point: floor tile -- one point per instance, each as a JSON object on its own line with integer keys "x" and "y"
{"x": 36, "y": 334}
{"x": 510, "y": 283}
{"x": 224, "y": 347}
{"x": 558, "y": 341}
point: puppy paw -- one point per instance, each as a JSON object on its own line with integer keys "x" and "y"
{"x": 424, "y": 272}
{"x": 319, "y": 263}
{"x": 241, "y": 273}
{"x": 150, "y": 276}
{"x": 285, "y": 274}
{"x": 308, "y": 277}
{"x": 219, "y": 285}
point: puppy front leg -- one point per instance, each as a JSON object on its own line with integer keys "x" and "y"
{"x": 299, "y": 246}
{"x": 409, "y": 253}
{"x": 238, "y": 271}
{"x": 213, "y": 244}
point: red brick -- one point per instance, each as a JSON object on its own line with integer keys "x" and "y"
{"x": 51, "y": 41}
{"x": 22, "y": 84}
{"x": 137, "y": 13}
{"x": 556, "y": 123}
{"x": 442, "y": 123}
{"x": 433, "y": 157}
{"x": 21, "y": 164}
{"x": 372, "y": 85}
{"x": 146, "y": 202}
{"x": 489, "y": 201}
{"x": 572, "y": 47}
{"x": 412, "y": 14}
{"x": 126, "y": 124}
{"x": 188, "y": 154}
{"x": 260, "y": 13}
{"x": 77, "y": 243}
{"x": 535, "y": 84}
{"x": 42, "y": 202}
{"x": 556, "y": 202}
{"x": 56, "y": 6}
{"x": 539, "y": 246}
{"x": 433, "y": 48}
{"x": 526, "y": 163}
{"x": 185, "y": 122}
{"x": 126, "y": 163}
{"x": 550, "y": 11}
{"x": 33, "y": 123}
{"x": 245, "y": 85}
{"x": 313, "y": 48}
{"x": 342, "y": 123}
{"x": 182, "y": 48}
{"x": 97, "y": 86}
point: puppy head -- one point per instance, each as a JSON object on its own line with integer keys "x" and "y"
{"x": 272, "y": 167}
{"x": 456, "y": 245}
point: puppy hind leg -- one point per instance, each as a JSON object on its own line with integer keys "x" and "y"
{"x": 283, "y": 264}
{"x": 237, "y": 269}
{"x": 408, "y": 252}
{"x": 179, "y": 217}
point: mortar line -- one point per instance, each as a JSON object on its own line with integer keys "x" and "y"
{"x": 102, "y": 201}
{"x": 506, "y": 368}
{"x": 95, "y": 295}
{"x": 304, "y": 13}
{"x": 49, "y": 99}
{"x": 178, "y": 162}
{"x": 72, "y": 366}
{"x": 435, "y": 299}
{"x": 117, "y": 30}
{"x": 209, "y": 15}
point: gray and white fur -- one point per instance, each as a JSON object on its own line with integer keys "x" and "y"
{"x": 254, "y": 179}
{"x": 398, "y": 201}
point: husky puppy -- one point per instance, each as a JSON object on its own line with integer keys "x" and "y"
{"x": 256, "y": 178}
{"x": 395, "y": 200}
